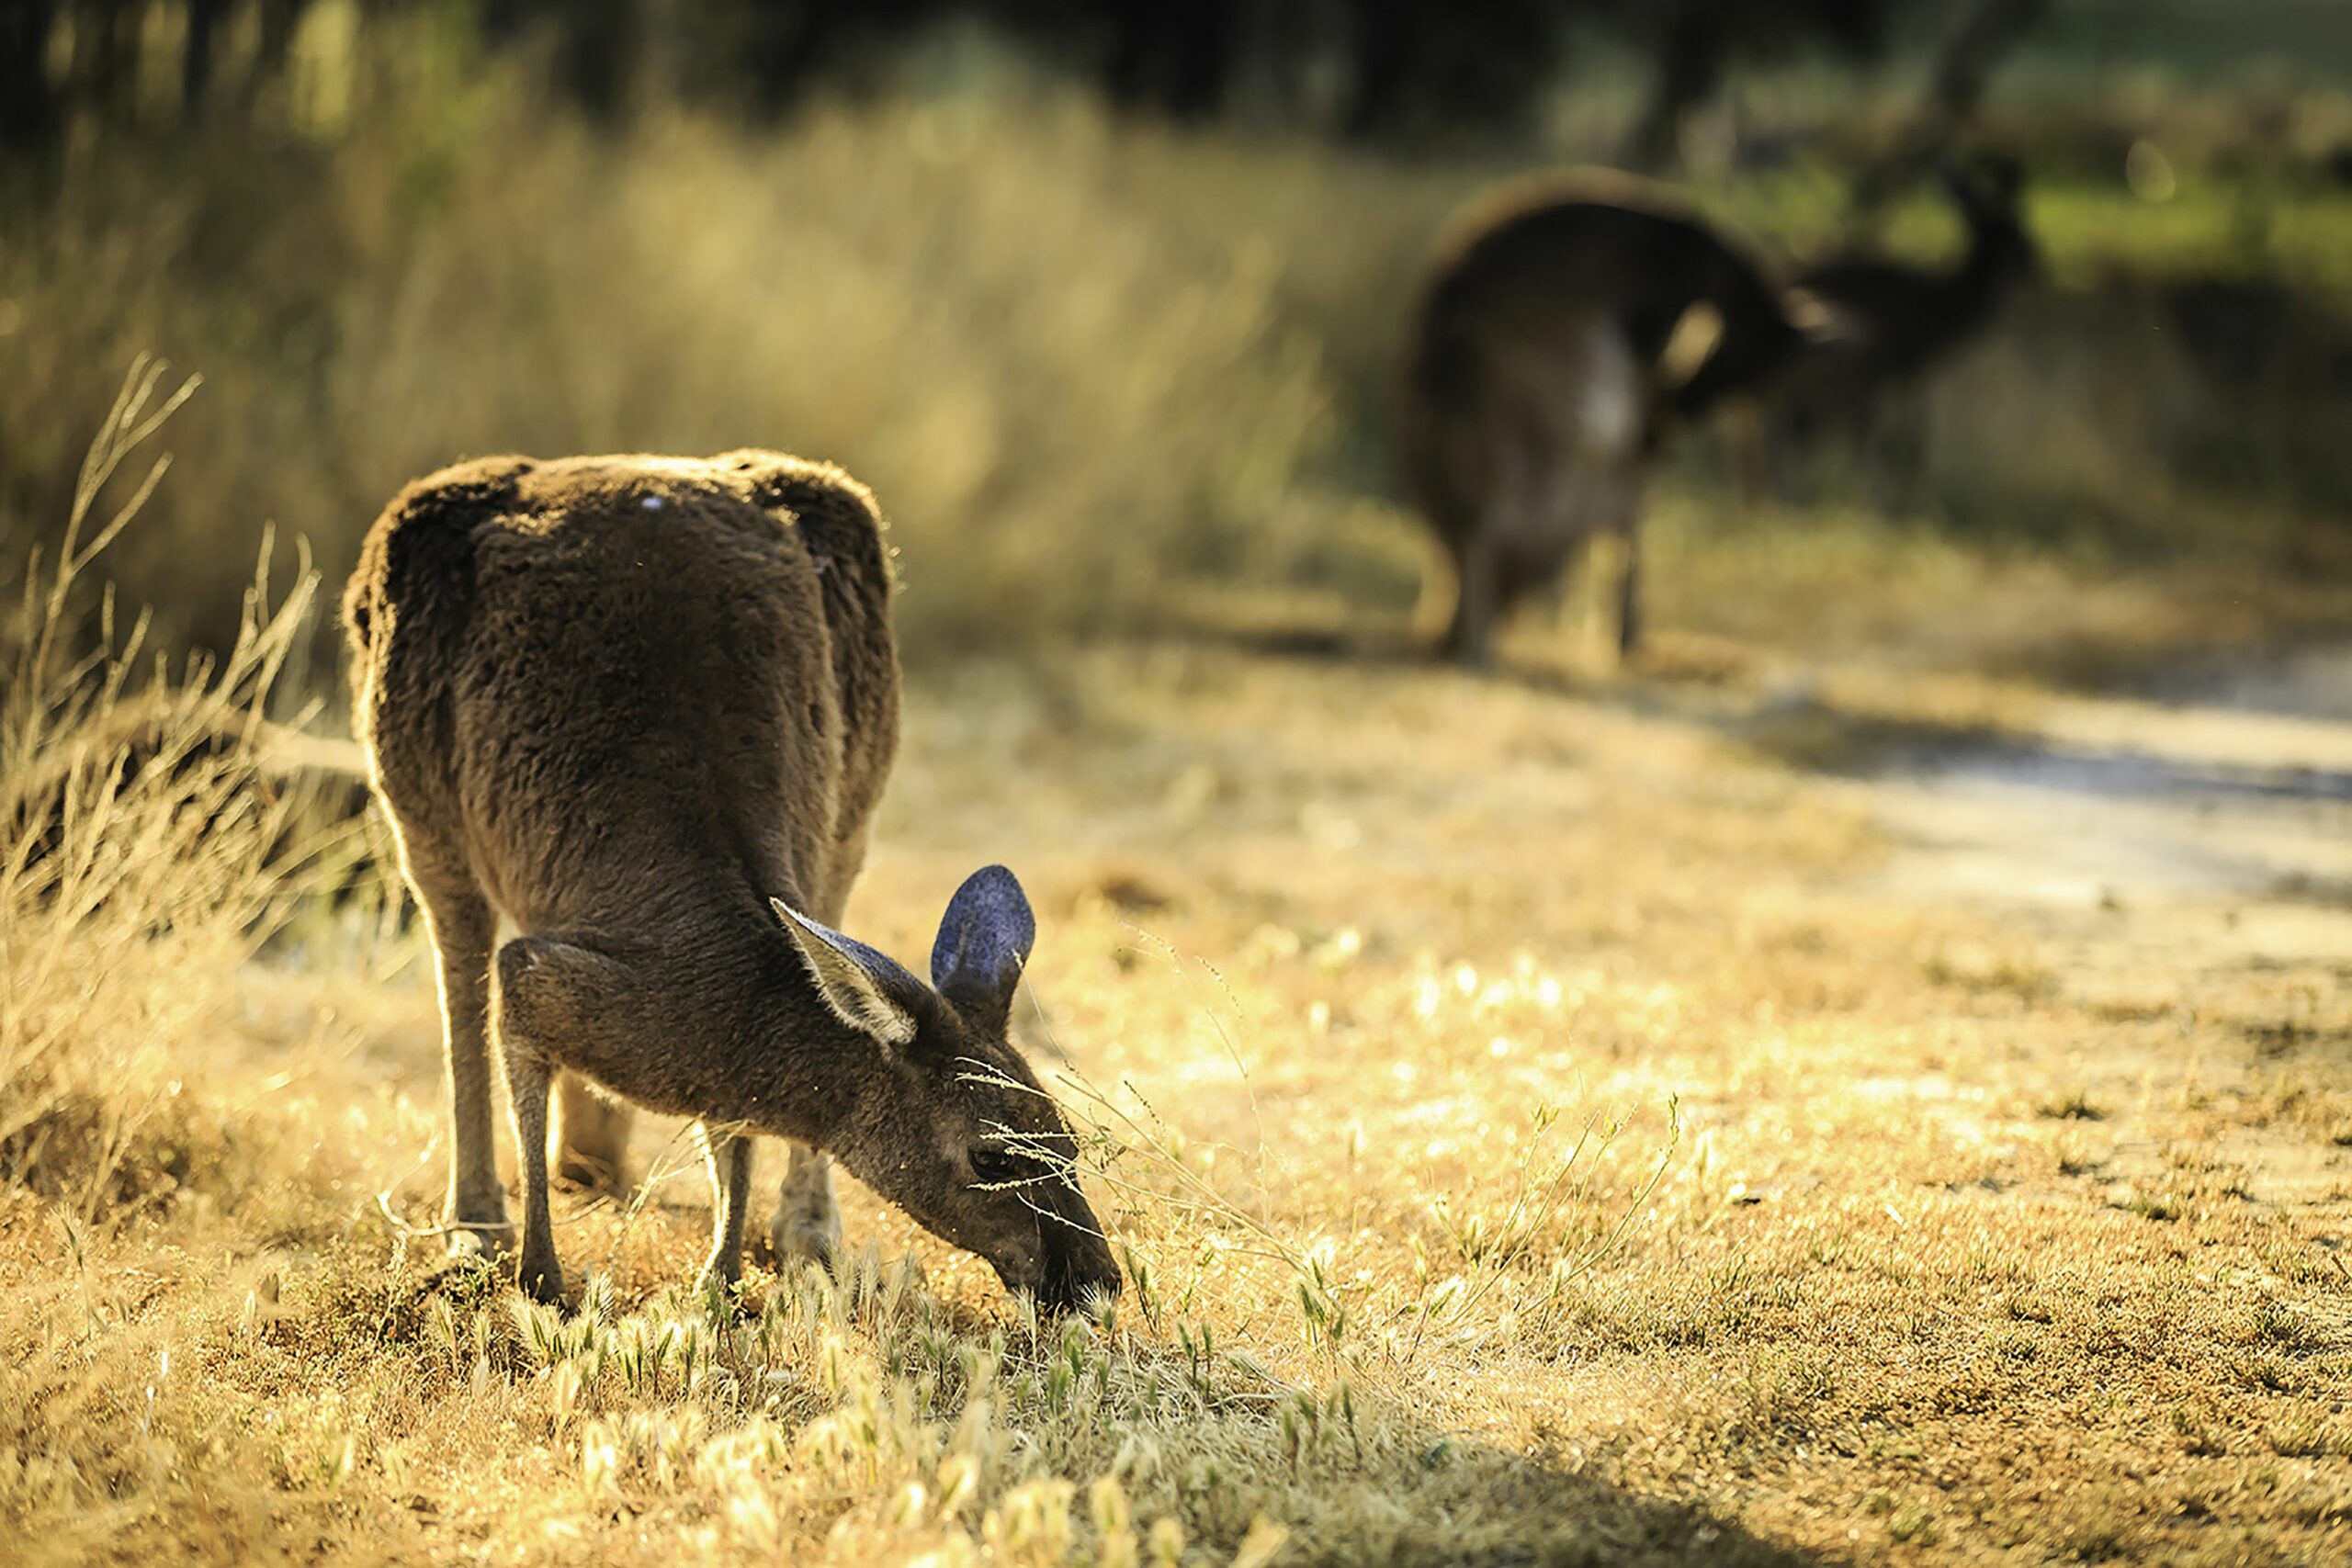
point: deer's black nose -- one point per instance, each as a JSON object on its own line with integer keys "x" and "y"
{"x": 1079, "y": 1269}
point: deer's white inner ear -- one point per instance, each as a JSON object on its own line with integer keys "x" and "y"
{"x": 853, "y": 992}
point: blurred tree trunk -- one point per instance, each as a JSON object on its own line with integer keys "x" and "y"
{"x": 1689, "y": 72}
{"x": 595, "y": 45}
{"x": 197, "y": 53}
{"x": 1177, "y": 59}
{"x": 596, "y": 54}
{"x": 1963, "y": 71}
{"x": 1696, "y": 42}
{"x": 279, "y": 20}
{"x": 1420, "y": 70}
{"x": 29, "y": 106}
{"x": 105, "y": 54}
{"x": 274, "y": 42}
{"x": 783, "y": 45}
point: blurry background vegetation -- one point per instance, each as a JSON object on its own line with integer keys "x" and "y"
{"x": 1104, "y": 300}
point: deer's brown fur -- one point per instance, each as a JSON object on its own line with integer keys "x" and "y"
{"x": 631, "y": 718}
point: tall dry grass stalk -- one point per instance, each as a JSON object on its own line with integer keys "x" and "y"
{"x": 144, "y": 852}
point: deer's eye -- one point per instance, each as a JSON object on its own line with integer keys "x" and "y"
{"x": 994, "y": 1164}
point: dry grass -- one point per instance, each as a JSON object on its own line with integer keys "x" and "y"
{"x": 1057, "y": 387}
{"x": 1533, "y": 1131}
{"x": 144, "y": 859}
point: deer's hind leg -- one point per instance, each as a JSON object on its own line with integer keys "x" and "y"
{"x": 588, "y": 1136}
{"x": 808, "y": 1221}
{"x": 463, "y": 927}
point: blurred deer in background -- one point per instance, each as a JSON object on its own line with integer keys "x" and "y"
{"x": 1897, "y": 321}
{"x": 1566, "y": 328}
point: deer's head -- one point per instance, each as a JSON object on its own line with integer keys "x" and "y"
{"x": 1989, "y": 190}
{"x": 957, "y": 1131}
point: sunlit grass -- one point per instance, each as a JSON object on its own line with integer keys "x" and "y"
{"x": 144, "y": 854}
{"x": 1535, "y": 1144}
{"x": 1532, "y": 1126}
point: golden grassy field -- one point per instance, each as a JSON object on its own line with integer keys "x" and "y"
{"x": 1569, "y": 1116}
{"x": 1855, "y": 1086}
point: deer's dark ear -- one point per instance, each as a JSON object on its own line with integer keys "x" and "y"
{"x": 865, "y": 988}
{"x": 983, "y": 944}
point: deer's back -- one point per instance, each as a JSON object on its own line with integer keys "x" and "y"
{"x": 1555, "y": 251}
{"x": 581, "y": 673}
{"x": 1562, "y": 295}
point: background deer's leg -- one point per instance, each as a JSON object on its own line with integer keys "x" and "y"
{"x": 1561, "y": 501}
{"x": 1497, "y": 523}
{"x": 1470, "y": 640}
{"x": 808, "y": 1221}
{"x": 1629, "y": 594}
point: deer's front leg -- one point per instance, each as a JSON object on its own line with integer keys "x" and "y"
{"x": 527, "y": 1081}
{"x": 728, "y": 1154}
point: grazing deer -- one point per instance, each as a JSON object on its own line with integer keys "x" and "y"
{"x": 1897, "y": 321}
{"x": 1566, "y": 330}
{"x": 631, "y": 717}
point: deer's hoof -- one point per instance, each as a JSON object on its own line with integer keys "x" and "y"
{"x": 806, "y": 1238}
{"x": 542, "y": 1281}
{"x": 487, "y": 1240}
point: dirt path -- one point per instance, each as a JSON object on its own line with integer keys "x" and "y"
{"x": 2216, "y": 814}
{"x": 2204, "y": 834}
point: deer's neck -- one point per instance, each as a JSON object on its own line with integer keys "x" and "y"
{"x": 1975, "y": 285}
{"x": 766, "y": 1050}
